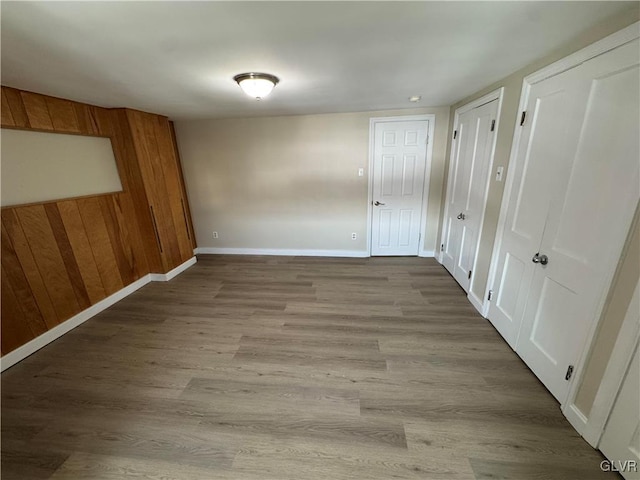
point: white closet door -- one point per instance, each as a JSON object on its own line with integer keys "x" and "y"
{"x": 456, "y": 191}
{"x": 589, "y": 215}
{"x": 468, "y": 182}
{"x": 541, "y": 152}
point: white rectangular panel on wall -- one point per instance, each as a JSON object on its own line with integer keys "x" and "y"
{"x": 39, "y": 166}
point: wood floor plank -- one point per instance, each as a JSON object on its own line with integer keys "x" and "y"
{"x": 283, "y": 368}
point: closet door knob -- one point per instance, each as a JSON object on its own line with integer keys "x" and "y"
{"x": 541, "y": 259}
{"x": 461, "y": 216}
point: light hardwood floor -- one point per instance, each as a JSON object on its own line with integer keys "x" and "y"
{"x": 287, "y": 368}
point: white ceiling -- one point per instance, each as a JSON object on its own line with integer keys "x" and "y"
{"x": 179, "y": 58}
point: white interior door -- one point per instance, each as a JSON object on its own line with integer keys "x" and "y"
{"x": 589, "y": 218}
{"x": 541, "y": 151}
{"x": 399, "y": 164}
{"x": 469, "y": 173}
{"x": 621, "y": 438}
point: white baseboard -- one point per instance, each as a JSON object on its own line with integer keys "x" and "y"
{"x": 576, "y": 418}
{"x": 427, "y": 253}
{"x": 477, "y": 303}
{"x": 165, "y": 277}
{"x": 56, "y": 332}
{"x": 282, "y": 252}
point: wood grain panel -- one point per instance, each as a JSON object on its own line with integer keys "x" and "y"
{"x": 85, "y": 114}
{"x": 70, "y": 262}
{"x": 18, "y": 111}
{"x": 82, "y": 250}
{"x": 172, "y": 184}
{"x": 20, "y": 286}
{"x": 119, "y": 237}
{"x": 98, "y": 235}
{"x": 124, "y": 148}
{"x": 62, "y": 257}
{"x": 39, "y": 234}
{"x": 63, "y": 115}
{"x": 7, "y": 118}
{"x": 29, "y": 267}
{"x": 37, "y": 111}
{"x": 14, "y": 331}
{"x": 183, "y": 186}
{"x": 142, "y": 127}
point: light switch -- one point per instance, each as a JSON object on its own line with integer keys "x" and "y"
{"x": 360, "y": 172}
{"x": 499, "y": 171}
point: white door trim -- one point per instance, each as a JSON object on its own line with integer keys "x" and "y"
{"x": 431, "y": 118}
{"x": 632, "y": 32}
{"x": 614, "y": 374}
{"x": 479, "y": 303}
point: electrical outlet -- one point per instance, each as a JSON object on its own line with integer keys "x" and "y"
{"x": 215, "y": 234}
{"x": 354, "y": 236}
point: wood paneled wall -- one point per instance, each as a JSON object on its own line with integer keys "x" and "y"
{"x": 60, "y": 257}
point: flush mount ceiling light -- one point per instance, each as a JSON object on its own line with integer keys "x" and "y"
{"x": 415, "y": 98}
{"x": 256, "y": 85}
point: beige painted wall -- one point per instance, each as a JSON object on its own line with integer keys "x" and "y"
{"x": 291, "y": 182}
{"x": 508, "y": 118}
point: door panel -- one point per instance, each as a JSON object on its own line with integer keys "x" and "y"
{"x": 466, "y": 189}
{"x": 589, "y": 218}
{"x": 398, "y": 185}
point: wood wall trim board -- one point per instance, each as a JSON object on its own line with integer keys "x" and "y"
{"x": 34, "y": 344}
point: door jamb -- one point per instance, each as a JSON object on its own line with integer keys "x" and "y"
{"x": 431, "y": 118}
{"x": 577, "y": 419}
{"x": 480, "y": 304}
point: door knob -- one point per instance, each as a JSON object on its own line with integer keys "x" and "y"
{"x": 461, "y": 216}
{"x": 541, "y": 259}
{"x": 377, "y": 203}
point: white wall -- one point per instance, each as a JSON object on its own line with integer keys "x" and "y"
{"x": 290, "y": 182}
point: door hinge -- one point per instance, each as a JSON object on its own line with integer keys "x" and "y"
{"x": 469, "y": 274}
{"x": 522, "y": 117}
{"x": 442, "y": 247}
{"x": 427, "y": 139}
{"x": 569, "y": 372}
{"x": 493, "y": 125}
{"x": 490, "y": 295}
{"x": 455, "y": 134}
